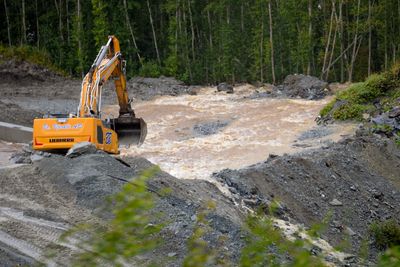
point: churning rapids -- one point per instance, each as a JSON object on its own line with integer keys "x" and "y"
{"x": 192, "y": 136}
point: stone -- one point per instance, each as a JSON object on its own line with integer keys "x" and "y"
{"x": 349, "y": 231}
{"x": 335, "y": 202}
{"x": 394, "y": 113}
{"x": 80, "y": 149}
{"x": 36, "y": 157}
{"x": 171, "y": 254}
{"x": 224, "y": 87}
{"x": 304, "y": 86}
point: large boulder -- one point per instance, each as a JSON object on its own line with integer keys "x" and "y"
{"x": 304, "y": 86}
{"x": 80, "y": 149}
{"x": 224, "y": 87}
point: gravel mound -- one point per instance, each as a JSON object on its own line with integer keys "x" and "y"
{"x": 209, "y": 128}
{"x": 297, "y": 86}
{"x": 58, "y": 190}
{"x": 356, "y": 180}
{"x": 148, "y": 88}
{"x": 25, "y": 73}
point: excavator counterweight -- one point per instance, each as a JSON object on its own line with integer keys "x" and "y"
{"x": 61, "y": 132}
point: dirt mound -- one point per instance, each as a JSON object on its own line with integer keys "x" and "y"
{"x": 39, "y": 201}
{"x": 356, "y": 180}
{"x": 297, "y": 86}
{"x": 148, "y": 88}
{"x": 13, "y": 113}
{"x": 304, "y": 86}
{"x": 25, "y": 73}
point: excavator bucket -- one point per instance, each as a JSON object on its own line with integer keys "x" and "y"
{"x": 130, "y": 130}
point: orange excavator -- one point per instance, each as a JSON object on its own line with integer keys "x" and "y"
{"x": 62, "y": 131}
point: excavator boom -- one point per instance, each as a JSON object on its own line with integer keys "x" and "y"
{"x": 55, "y": 132}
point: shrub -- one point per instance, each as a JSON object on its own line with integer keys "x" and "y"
{"x": 349, "y": 111}
{"x": 150, "y": 69}
{"x": 391, "y": 258}
{"x": 325, "y": 111}
{"x": 386, "y": 234}
{"x": 29, "y": 54}
{"x": 360, "y": 96}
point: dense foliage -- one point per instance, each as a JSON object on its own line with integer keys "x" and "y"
{"x": 359, "y": 98}
{"x": 214, "y": 40}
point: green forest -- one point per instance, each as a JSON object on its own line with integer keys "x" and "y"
{"x": 210, "y": 41}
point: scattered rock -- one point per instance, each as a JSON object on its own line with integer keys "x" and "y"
{"x": 148, "y": 88}
{"x": 349, "y": 231}
{"x": 36, "y": 157}
{"x": 336, "y": 202}
{"x": 81, "y": 148}
{"x": 209, "y": 128}
{"x": 394, "y": 113}
{"x": 21, "y": 158}
{"x": 304, "y": 86}
{"x": 224, "y": 87}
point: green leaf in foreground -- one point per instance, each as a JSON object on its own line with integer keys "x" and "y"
{"x": 128, "y": 234}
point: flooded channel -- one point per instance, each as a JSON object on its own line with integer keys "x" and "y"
{"x": 192, "y": 136}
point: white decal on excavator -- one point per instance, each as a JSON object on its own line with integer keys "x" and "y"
{"x": 108, "y": 138}
{"x": 67, "y": 126}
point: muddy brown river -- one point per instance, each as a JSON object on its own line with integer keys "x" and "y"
{"x": 192, "y": 136}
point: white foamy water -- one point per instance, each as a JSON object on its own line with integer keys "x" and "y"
{"x": 256, "y": 128}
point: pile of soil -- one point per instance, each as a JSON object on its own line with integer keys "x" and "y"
{"x": 25, "y": 73}
{"x": 297, "y": 86}
{"x": 356, "y": 180}
{"x": 39, "y": 201}
{"x": 13, "y": 113}
{"x": 148, "y": 88}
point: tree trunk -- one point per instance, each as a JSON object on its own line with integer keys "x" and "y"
{"x": 8, "y": 23}
{"x": 328, "y": 43}
{"x": 341, "y": 34}
{"x": 333, "y": 47}
{"x": 310, "y": 56}
{"x": 37, "y": 25}
{"x": 191, "y": 28}
{"x": 271, "y": 41}
{"x": 154, "y": 33}
{"x": 128, "y": 22}
{"x": 67, "y": 15}
{"x": 23, "y": 23}
{"x": 60, "y": 26}
{"x": 242, "y": 17}
{"x": 355, "y": 50}
{"x": 262, "y": 48}
{"x": 210, "y": 28}
{"x": 369, "y": 37}
{"x": 79, "y": 15}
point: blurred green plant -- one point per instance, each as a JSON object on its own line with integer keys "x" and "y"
{"x": 358, "y": 98}
{"x": 266, "y": 244}
{"x": 386, "y": 234}
{"x": 150, "y": 69}
{"x": 130, "y": 232}
{"x": 199, "y": 252}
{"x": 391, "y": 258}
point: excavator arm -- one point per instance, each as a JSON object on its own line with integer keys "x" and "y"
{"x": 62, "y": 131}
{"x": 109, "y": 63}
